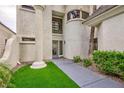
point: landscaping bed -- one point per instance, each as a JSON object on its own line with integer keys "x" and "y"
{"x": 96, "y": 70}
{"x": 48, "y": 77}
{"x": 108, "y": 63}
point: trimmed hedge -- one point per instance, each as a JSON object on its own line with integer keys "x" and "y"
{"x": 110, "y": 62}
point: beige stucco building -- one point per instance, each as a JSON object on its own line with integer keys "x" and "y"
{"x": 54, "y": 31}
{"x": 63, "y": 34}
{"x": 66, "y": 30}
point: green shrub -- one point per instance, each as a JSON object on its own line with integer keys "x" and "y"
{"x": 109, "y": 68}
{"x": 10, "y": 85}
{"x": 87, "y": 62}
{"x": 77, "y": 59}
{"x": 121, "y": 66}
{"x": 110, "y": 62}
{"x": 5, "y": 76}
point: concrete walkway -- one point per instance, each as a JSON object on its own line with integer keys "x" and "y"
{"x": 85, "y": 78}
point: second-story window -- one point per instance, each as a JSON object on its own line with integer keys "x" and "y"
{"x": 77, "y": 14}
{"x": 57, "y": 25}
{"x": 73, "y": 14}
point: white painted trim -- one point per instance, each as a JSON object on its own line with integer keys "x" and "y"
{"x": 27, "y": 42}
{"x": 75, "y": 19}
{"x": 57, "y": 34}
{"x": 58, "y": 46}
{"x": 57, "y": 17}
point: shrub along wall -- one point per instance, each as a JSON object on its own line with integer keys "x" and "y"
{"x": 110, "y": 62}
{"x": 77, "y": 59}
{"x": 87, "y": 62}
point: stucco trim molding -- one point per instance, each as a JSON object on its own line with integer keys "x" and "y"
{"x": 106, "y": 15}
{"x": 42, "y": 7}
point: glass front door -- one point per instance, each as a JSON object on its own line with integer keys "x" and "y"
{"x": 57, "y": 48}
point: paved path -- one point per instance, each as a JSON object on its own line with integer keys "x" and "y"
{"x": 84, "y": 77}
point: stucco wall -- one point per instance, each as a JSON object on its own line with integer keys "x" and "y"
{"x": 76, "y": 38}
{"x": 27, "y": 52}
{"x": 111, "y": 34}
{"x": 26, "y": 27}
{"x": 76, "y": 35}
{"x": 26, "y": 22}
{"x": 4, "y": 35}
{"x": 59, "y": 8}
{"x": 10, "y": 56}
{"x": 47, "y": 30}
{"x": 80, "y": 7}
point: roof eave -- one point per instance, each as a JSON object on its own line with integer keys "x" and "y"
{"x": 100, "y": 18}
{"x": 7, "y": 28}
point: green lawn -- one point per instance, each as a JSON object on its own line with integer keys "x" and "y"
{"x": 48, "y": 77}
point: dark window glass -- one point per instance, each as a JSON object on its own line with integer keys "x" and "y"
{"x": 61, "y": 48}
{"x": 55, "y": 48}
{"x": 84, "y": 14}
{"x": 73, "y": 14}
{"x": 28, "y": 7}
{"x": 57, "y": 25}
{"x": 28, "y": 39}
{"x": 76, "y": 14}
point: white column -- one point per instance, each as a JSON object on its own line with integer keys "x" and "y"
{"x": 39, "y": 63}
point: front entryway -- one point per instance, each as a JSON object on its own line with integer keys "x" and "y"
{"x": 57, "y": 35}
{"x": 57, "y": 48}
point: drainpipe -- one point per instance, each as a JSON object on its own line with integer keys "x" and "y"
{"x": 39, "y": 63}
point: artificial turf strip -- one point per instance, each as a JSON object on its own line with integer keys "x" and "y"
{"x": 48, "y": 77}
